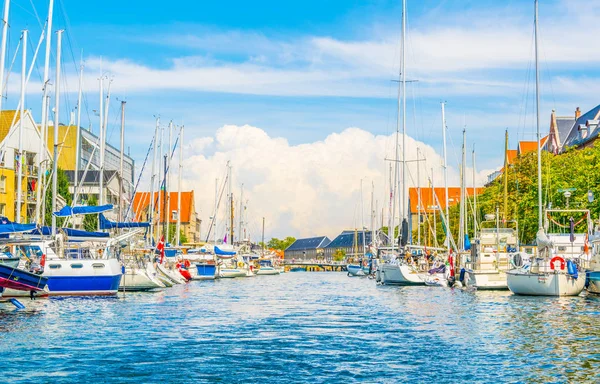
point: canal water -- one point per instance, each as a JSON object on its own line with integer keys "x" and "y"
{"x": 302, "y": 327}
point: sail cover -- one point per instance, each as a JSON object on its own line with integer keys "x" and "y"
{"x": 82, "y": 210}
{"x": 47, "y": 231}
{"x": 107, "y": 224}
{"x": 15, "y": 228}
{"x": 220, "y": 252}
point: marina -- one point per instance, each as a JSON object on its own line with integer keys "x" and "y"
{"x": 445, "y": 230}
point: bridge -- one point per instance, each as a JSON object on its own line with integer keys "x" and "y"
{"x": 313, "y": 266}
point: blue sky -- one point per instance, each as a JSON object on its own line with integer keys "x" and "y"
{"x": 302, "y": 70}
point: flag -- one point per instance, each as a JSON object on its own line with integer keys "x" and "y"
{"x": 160, "y": 247}
{"x": 451, "y": 262}
{"x": 225, "y": 239}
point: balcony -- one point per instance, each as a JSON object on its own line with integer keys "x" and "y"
{"x": 31, "y": 170}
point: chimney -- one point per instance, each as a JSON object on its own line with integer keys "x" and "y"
{"x": 577, "y": 113}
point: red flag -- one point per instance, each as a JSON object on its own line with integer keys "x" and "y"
{"x": 451, "y": 261}
{"x": 161, "y": 248}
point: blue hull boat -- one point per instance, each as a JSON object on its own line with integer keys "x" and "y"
{"x": 205, "y": 272}
{"x": 20, "y": 280}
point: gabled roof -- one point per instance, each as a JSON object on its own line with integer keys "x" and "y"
{"x": 6, "y": 120}
{"x": 512, "y": 155}
{"x": 141, "y": 202}
{"x": 530, "y": 146}
{"x": 91, "y": 177}
{"x": 346, "y": 239}
{"x": 590, "y": 131}
{"x": 564, "y": 127}
{"x": 309, "y": 243}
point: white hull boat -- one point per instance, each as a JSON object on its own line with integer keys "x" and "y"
{"x": 523, "y": 282}
{"x": 489, "y": 280}
{"x": 229, "y": 273}
{"x": 173, "y": 276}
{"x": 355, "y": 270}
{"x": 267, "y": 271}
{"x": 400, "y": 274}
{"x": 136, "y": 279}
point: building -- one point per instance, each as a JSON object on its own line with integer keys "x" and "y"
{"x": 560, "y": 127}
{"x": 89, "y": 186}
{"x": 523, "y": 148}
{"x": 88, "y": 141}
{"x": 584, "y": 131}
{"x": 10, "y": 161}
{"x": 307, "y": 249}
{"x": 350, "y": 242}
{"x": 190, "y": 221}
{"x": 430, "y": 198}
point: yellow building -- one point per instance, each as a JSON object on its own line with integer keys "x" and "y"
{"x": 10, "y": 161}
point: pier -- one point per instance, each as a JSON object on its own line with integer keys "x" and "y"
{"x": 313, "y": 266}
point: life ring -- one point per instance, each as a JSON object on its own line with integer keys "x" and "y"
{"x": 240, "y": 264}
{"x": 555, "y": 259}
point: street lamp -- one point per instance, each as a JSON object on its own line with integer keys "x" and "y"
{"x": 567, "y": 195}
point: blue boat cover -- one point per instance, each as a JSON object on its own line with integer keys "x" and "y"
{"x": 107, "y": 224}
{"x": 219, "y": 251}
{"x": 82, "y": 210}
{"x": 14, "y": 228}
{"x": 467, "y": 243}
{"x": 47, "y": 231}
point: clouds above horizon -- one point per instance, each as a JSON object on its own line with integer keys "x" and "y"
{"x": 301, "y": 190}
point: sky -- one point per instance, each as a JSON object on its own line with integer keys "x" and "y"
{"x": 301, "y": 96}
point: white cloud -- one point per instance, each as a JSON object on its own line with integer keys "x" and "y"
{"x": 301, "y": 190}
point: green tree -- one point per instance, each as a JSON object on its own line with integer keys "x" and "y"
{"x": 63, "y": 191}
{"x": 173, "y": 234}
{"x": 90, "y": 222}
{"x": 281, "y": 245}
{"x": 339, "y": 255}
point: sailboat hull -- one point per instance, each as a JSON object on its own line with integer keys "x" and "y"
{"x": 594, "y": 282}
{"x": 394, "y": 274}
{"x": 490, "y": 280}
{"x": 135, "y": 280}
{"x": 83, "y": 277}
{"x": 521, "y": 282}
{"x": 267, "y": 271}
{"x": 355, "y": 270}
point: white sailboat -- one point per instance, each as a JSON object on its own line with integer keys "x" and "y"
{"x": 543, "y": 276}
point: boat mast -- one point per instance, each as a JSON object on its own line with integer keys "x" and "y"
{"x": 362, "y": 218}
{"x": 435, "y": 210}
{"x": 168, "y": 180}
{"x": 153, "y": 179}
{"x": 3, "y": 49}
{"x": 403, "y": 73}
{"x": 78, "y": 127}
{"x": 39, "y": 213}
{"x": 537, "y": 112}
{"x": 56, "y": 119}
{"x": 216, "y": 207}
{"x": 474, "y": 198}
{"x": 159, "y": 185}
{"x": 447, "y": 215}
{"x": 462, "y": 219}
{"x": 178, "y": 227}
{"x": 21, "y": 118}
{"x": 504, "y": 215}
{"x": 263, "y": 237}
{"x": 419, "y": 197}
{"x": 121, "y": 155}
{"x": 101, "y": 121}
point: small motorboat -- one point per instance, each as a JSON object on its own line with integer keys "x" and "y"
{"x": 20, "y": 280}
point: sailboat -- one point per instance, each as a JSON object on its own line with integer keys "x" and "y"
{"x": 495, "y": 245}
{"x": 550, "y": 273}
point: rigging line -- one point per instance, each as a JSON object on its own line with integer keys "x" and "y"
{"x": 139, "y": 178}
{"x": 10, "y": 68}
{"x": 37, "y": 16}
{"x": 545, "y": 61}
{"x": 525, "y": 93}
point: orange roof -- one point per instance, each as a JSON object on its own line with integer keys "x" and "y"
{"x": 141, "y": 202}
{"x": 512, "y": 155}
{"x": 530, "y": 146}
{"x": 428, "y": 203}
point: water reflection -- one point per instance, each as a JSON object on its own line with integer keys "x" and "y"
{"x": 284, "y": 328}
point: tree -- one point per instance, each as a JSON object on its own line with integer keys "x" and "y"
{"x": 275, "y": 243}
{"x": 173, "y": 234}
{"x": 90, "y": 222}
{"x": 339, "y": 255}
{"x": 63, "y": 191}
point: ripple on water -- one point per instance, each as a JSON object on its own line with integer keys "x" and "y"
{"x": 302, "y": 327}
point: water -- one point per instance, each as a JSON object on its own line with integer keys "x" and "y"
{"x": 300, "y": 327}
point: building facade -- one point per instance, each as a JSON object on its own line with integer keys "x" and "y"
{"x": 190, "y": 221}
{"x": 307, "y": 249}
{"x": 11, "y": 160}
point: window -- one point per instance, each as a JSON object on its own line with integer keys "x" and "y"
{"x": 174, "y": 215}
{"x": 562, "y": 249}
{"x": 55, "y": 266}
{"x": 78, "y": 266}
{"x": 98, "y": 265}
{"x": 2, "y": 209}
{"x": 2, "y": 184}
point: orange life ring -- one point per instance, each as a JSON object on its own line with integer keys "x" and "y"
{"x": 555, "y": 259}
